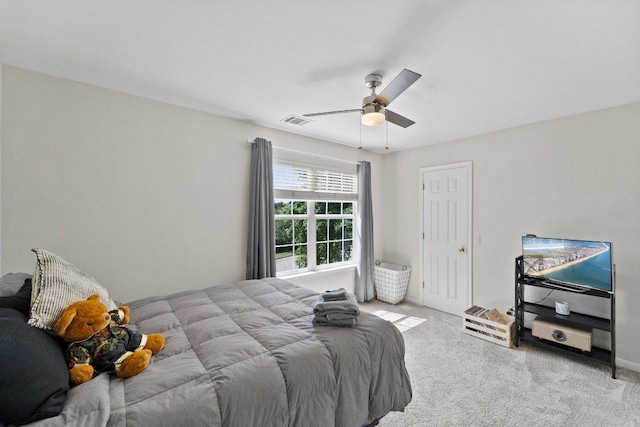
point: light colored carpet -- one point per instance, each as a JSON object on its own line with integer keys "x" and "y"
{"x": 461, "y": 380}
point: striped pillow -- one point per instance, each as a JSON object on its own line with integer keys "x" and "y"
{"x": 56, "y": 285}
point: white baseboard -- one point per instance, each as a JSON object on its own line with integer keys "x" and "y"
{"x": 628, "y": 365}
{"x": 413, "y": 301}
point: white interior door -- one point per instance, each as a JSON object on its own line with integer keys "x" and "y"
{"x": 446, "y": 225}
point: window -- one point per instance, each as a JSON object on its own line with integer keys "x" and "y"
{"x": 312, "y": 234}
{"x": 314, "y": 216}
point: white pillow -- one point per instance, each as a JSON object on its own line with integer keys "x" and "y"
{"x": 11, "y": 283}
{"x": 56, "y": 285}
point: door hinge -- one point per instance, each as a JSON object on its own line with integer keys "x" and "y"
{"x": 423, "y": 187}
{"x": 422, "y": 285}
{"x": 422, "y": 236}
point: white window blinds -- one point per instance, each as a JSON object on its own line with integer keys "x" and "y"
{"x": 297, "y": 181}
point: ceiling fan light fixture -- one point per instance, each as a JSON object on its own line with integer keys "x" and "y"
{"x": 372, "y": 119}
{"x": 373, "y": 111}
{"x": 373, "y": 115}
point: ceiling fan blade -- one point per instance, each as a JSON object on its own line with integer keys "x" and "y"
{"x": 326, "y": 113}
{"x": 397, "y": 119}
{"x": 398, "y": 85}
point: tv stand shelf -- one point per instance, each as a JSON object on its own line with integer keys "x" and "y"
{"x": 599, "y": 354}
{"x": 576, "y": 318}
{"x": 607, "y": 357}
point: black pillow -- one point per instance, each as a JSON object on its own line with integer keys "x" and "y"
{"x": 34, "y": 379}
{"x": 21, "y": 301}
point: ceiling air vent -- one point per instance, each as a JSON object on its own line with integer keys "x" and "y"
{"x": 295, "y": 120}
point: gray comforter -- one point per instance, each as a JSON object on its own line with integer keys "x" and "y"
{"x": 248, "y": 355}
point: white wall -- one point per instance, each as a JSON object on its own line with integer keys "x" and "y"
{"x": 1, "y": 68}
{"x": 575, "y": 177}
{"x": 152, "y": 198}
{"x": 148, "y": 198}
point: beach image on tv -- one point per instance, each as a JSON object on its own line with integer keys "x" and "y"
{"x": 578, "y": 262}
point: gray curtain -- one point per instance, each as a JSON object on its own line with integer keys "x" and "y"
{"x": 261, "y": 249}
{"x": 364, "y": 274}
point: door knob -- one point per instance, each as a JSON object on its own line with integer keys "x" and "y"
{"x": 461, "y": 249}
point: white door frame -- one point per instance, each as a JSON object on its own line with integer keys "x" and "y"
{"x": 469, "y": 166}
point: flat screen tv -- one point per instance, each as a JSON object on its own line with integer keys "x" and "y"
{"x": 576, "y": 263}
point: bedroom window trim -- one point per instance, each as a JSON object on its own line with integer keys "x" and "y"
{"x": 298, "y": 182}
{"x": 312, "y": 241}
{"x": 316, "y": 273}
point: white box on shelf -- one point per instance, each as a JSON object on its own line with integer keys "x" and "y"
{"x": 575, "y": 337}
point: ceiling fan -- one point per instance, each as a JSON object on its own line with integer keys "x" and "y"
{"x": 374, "y": 107}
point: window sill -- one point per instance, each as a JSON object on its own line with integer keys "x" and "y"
{"x": 316, "y": 273}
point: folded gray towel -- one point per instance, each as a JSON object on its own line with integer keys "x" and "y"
{"x": 339, "y": 316}
{"x": 348, "y": 306}
{"x": 322, "y": 321}
{"x": 335, "y": 295}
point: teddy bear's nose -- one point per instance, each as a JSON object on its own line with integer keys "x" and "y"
{"x": 106, "y": 316}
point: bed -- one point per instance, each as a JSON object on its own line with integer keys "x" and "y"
{"x": 246, "y": 354}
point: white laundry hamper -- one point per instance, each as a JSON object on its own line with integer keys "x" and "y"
{"x": 391, "y": 281}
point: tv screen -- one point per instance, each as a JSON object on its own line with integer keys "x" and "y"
{"x": 575, "y": 262}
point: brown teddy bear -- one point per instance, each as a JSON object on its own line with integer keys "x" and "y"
{"x": 97, "y": 342}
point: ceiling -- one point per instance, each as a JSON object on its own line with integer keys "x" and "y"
{"x": 486, "y": 64}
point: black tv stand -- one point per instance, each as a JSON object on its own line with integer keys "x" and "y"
{"x": 601, "y": 355}
{"x": 562, "y": 286}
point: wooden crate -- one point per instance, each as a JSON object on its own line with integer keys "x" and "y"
{"x": 488, "y": 330}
